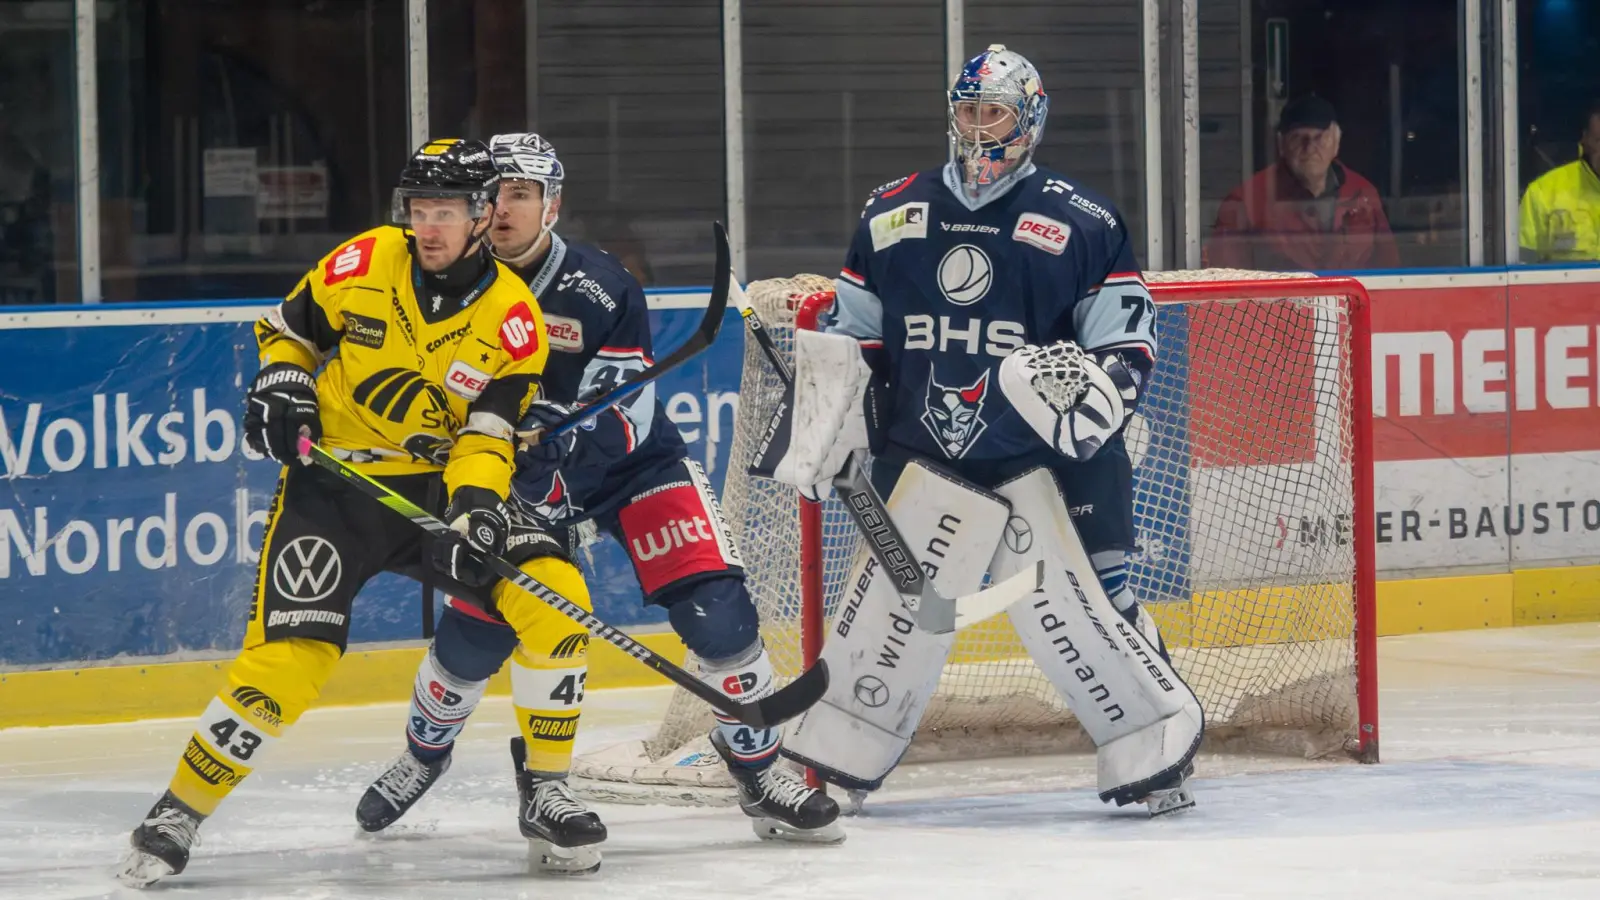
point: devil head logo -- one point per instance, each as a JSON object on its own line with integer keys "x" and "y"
{"x": 557, "y": 504}
{"x": 953, "y": 415}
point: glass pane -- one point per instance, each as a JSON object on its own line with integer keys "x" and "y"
{"x": 38, "y": 143}
{"x": 630, "y": 94}
{"x": 1383, "y": 187}
{"x": 240, "y": 141}
{"x": 838, "y": 100}
{"x": 1089, "y": 57}
{"x": 1558, "y": 90}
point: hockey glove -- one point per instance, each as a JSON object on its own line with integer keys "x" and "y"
{"x": 280, "y": 406}
{"x": 1074, "y": 401}
{"x": 482, "y": 524}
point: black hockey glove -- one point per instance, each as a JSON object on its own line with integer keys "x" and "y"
{"x": 483, "y": 524}
{"x": 549, "y": 452}
{"x": 281, "y": 405}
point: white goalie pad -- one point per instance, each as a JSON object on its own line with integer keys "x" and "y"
{"x": 883, "y": 669}
{"x": 807, "y": 445}
{"x": 1145, "y": 722}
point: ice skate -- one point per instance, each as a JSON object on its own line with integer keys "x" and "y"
{"x": 398, "y": 789}
{"x": 562, "y": 833}
{"x": 161, "y": 843}
{"x": 781, "y": 806}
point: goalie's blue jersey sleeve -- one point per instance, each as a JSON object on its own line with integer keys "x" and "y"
{"x": 598, "y": 323}
{"x": 948, "y": 291}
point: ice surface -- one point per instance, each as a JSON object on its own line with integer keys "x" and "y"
{"x": 1490, "y": 787}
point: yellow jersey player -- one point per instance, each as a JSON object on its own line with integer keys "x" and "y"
{"x": 409, "y": 352}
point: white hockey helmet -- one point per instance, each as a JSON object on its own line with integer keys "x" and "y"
{"x": 525, "y": 156}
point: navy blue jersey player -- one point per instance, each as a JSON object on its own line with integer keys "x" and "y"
{"x": 995, "y": 311}
{"x": 631, "y": 474}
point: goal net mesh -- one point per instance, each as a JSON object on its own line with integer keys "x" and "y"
{"x": 1243, "y": 496}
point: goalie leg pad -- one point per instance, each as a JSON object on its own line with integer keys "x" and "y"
{"x": 883, "y": 668}
{"x": 1144, "y": 719}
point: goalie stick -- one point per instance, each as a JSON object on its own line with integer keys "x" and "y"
{"x": 776, "y": 708}
{"x": 704, "y": 336}
{"x": 934, "y": 613}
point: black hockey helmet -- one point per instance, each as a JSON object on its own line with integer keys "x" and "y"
{"x": 448, "y": 167}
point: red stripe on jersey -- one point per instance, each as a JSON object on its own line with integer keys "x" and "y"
{"x": 627, "y": 429}
{"x": 1125, "y": 276}
{"x": 887, "y": 194}
{"x": 871, "y": 345}
{"x": 852, "y": 277}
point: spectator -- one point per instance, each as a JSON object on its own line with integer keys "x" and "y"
{"x": 1561, "y": 209}
{"x": 1306, "y": 211}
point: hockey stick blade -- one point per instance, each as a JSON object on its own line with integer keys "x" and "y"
{"x": 775, "y": 709}
{"x": 704, "y": 336}
{"x": 994, "y": 599}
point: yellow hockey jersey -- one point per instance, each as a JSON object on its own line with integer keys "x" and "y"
{"x": 399, "y": 393}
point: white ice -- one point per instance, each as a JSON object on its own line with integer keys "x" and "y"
{"x": 1490, "y": 787}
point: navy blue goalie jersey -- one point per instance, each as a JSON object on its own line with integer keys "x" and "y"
{"x": 950, "y": 291}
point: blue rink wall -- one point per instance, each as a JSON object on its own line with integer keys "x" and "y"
{"x": 131, "y": 513}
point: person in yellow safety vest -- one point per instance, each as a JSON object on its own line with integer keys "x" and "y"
{"x": 1561, "y": 209}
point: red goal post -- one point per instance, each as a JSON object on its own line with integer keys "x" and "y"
{"x": 1253, "y": 499}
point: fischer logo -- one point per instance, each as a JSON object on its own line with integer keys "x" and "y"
{"x": 673, "y": 535}
{"x": 464, "y": 380}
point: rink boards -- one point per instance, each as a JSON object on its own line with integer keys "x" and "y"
{"x": 131, "y": 513}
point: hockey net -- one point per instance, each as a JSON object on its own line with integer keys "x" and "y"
{"x": 1252, "y": 500}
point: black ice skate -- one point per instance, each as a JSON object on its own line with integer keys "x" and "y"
{"x": 398, "y": 789}
{"x": 161, "y": 843}
{"x": 781, "y": 806}
{"x": 561, "y": 831}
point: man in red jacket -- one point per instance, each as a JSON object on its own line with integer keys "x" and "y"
{"x": 1306, "y": 211}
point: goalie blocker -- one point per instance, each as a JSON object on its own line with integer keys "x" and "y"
{"x": 1145, "y": 722}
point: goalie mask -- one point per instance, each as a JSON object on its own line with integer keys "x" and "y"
{"x": 996, "y": 120}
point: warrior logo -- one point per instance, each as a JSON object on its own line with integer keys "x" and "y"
{"x": 952, "y": 415}
{"x": 557, "y": 503}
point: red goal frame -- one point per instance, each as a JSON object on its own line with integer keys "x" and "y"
{"x": 813, "y": 621}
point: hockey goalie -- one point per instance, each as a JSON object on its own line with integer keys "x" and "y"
{"x": 990, "y": 338}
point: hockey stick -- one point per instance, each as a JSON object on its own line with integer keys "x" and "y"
{"x": 776, "y": 708}
{"x": 935, "y": 613}
{"x": 704, "y": 336}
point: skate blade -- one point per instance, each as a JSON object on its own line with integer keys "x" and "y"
{"x": 1165, "y": 803}
{"x": 140, "y": 870}
{"x": 777, "y": 830}
{"x": 546, "y": 858}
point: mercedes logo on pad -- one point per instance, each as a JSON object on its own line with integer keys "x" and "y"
{"x": 871, "y": 691}
{"x": 1019, "y": 535}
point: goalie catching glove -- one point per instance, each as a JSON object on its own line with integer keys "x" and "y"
{"x": 835, "y": 406}
{"x": 1074, "y": 401}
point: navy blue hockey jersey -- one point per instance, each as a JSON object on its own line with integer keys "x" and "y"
{"x": 598, "y": 324}
{"x": 949, "y": 291}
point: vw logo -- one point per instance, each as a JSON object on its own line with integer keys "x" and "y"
{"x": 306, "y": 570}
{"x": 871, "y": 691}
{"x": 965, "y": 275}
{"x": 1019, "y": 535}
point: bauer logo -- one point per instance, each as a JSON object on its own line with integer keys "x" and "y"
{"x": 565, "y": 334}
{"x": 306, "y": 570}
{"x": 552, "y": 728}
{"x": 965, "y": 275}
{"x": 1043, "y": 232}
{"x": 899, "y": 224}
